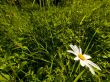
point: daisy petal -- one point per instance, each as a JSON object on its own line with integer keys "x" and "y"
{"x": 87, "y": 56}
{"x": 80, "y": 50}
{"x": 76, "y": 58}
{"x": 70, "y": 51}
{"x": 82, "y": 63}
{"x": 90, "y": 68}
{"x": 93, "y": 64}
{"x": 74, "y": 48}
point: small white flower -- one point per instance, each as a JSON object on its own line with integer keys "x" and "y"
{"x": 83, "y": 58}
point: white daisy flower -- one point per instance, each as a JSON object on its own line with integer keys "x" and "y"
{"x": 83, "y": 58}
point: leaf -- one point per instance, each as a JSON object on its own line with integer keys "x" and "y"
{"x": 24, "y": 47}
{"x": 4, "y": 77}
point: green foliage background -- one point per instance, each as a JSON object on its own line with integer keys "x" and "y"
{"x": 34, "y": 39}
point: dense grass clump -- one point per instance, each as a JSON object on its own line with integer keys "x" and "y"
{"x": 35, "y": 37}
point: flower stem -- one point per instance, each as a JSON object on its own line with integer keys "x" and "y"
{"x": 80, "y": 74}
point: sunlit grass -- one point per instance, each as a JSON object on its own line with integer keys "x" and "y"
{"x": 34, "y": 40}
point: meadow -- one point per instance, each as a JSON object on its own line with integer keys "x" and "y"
{"x": 35, "y": 37}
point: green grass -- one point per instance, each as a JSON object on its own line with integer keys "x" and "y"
{"x": 34, "y": 40}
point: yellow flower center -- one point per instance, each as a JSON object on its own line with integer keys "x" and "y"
{"x": 81, "y": 57}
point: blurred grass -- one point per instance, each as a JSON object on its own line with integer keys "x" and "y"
{"x": 34, "y": 39}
